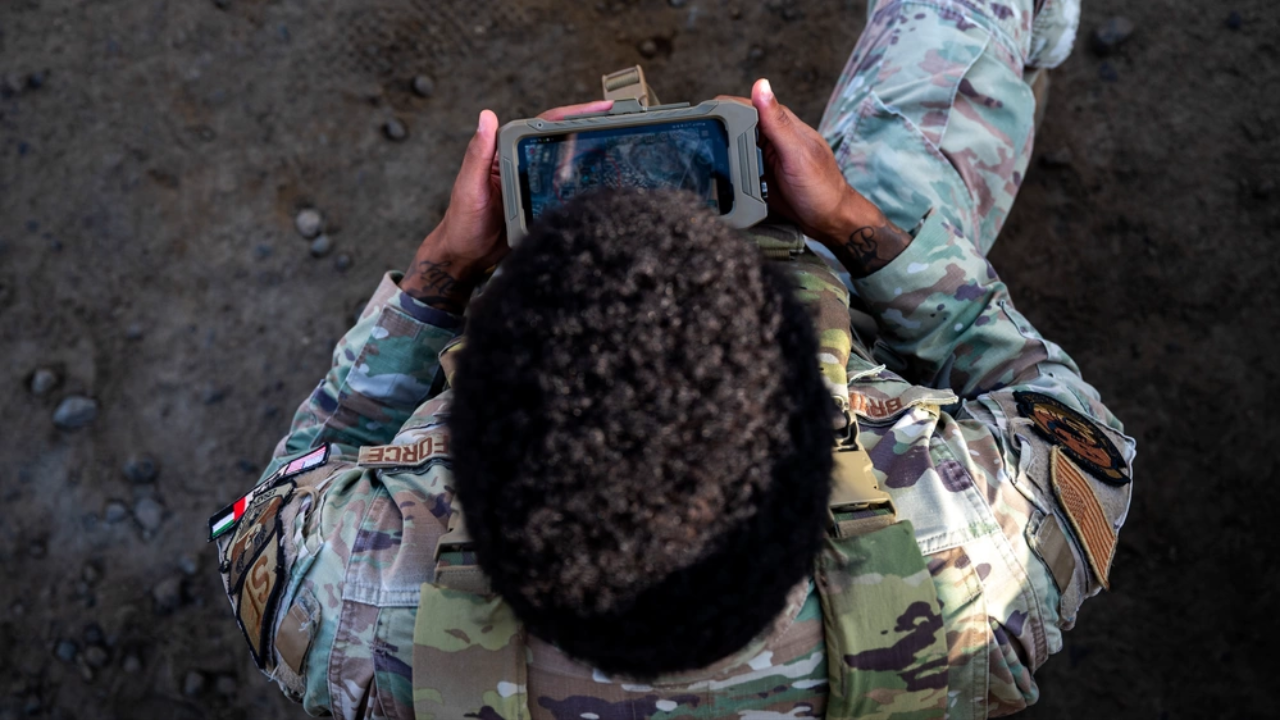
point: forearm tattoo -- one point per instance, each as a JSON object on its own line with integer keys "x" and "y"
{"x": 435, "y": 284}
{"x": 871, "y": 247}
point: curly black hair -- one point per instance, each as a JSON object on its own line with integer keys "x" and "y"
{"x": 641, "y": 437}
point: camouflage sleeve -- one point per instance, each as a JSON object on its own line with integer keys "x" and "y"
{"x": 383, "y": 368}
{"x": 942, "y": 310}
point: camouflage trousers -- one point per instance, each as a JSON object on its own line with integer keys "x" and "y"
{"x": 932, "y": 111}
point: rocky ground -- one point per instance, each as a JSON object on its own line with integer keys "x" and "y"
{"x": 161, "y": 314}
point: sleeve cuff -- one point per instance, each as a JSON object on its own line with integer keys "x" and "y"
{"x": 936, "y": 257}
{"x": 390, "y": 294}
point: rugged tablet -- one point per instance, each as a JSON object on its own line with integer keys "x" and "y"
{"x": 708, "y": 149}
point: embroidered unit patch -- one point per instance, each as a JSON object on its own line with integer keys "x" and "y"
{"x": 226, "y": 518}
{"x": 1079, "y": 436}
{"x": 1075, "y": 493}
{"x": 252, "y": 562}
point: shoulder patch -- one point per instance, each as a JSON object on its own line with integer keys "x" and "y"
{"x": 1081, "y": 505}
{"x": 227, "y": 518}
{"x": 253, "y": 564}
{"x": 1079, "y": 436}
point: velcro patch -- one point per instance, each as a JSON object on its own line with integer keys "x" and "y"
{"x": 433, "y": 445}
{"x": 1080, "y": 503}
{"x": 225, "y": 519}
{"x": 1078, "y": 435}
{"x": 252, "y": 561}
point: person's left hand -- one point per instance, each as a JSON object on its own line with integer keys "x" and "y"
{"x": 471, "y": 238}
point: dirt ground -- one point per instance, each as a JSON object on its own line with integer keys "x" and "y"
{"x": 154, "y": 153}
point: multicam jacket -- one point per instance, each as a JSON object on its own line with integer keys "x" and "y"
{"x": 1014, "y": 476}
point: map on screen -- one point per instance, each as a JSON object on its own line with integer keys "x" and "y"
{"x": 689, "y": 155}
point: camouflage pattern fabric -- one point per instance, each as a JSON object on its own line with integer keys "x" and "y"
{"x": 885, "y": 637}
{"x": 932, "y": 122}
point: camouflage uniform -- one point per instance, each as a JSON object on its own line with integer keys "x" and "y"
{"x": 931, "y": 121}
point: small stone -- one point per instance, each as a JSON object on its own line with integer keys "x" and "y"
{"x": 167, "y": 595}
{"x": 93, "y": 634}
{"x": 309, "y": 223}
{"x": 1234, "y": 21}
{"x": 148, "y": 513}
{"x": 43, "y": 380}
{"x": 222, "y": 4}
{"x": 134, "y": 331}
{"x": 395, "y": 130}
{"x": 96, "y": 656}
{"x": 193, "y": 684}
{"x": 132, "y": 664}
{"x": 424, "y": 86}
{"x": 35, "y": 80}
{"x": 262, "y": 251}
{"x": 755, "y": 54}
{"x": 213, "y": 395}
{"x": 1057, "y": 158}
{"x": 1111, "y": 35}
{"x": 115, "y": 512}
{"x": 648, "y": 48}
{"x": 188, "y": 565}
{"x": 677, "y": 3}
{"x": 36, "y": 549}
{"x": 90, "y": 573}
{"x": 321, "y": 246}
{"x": 142, "y": 469}
{"x": 246, "y": 466}
{"x": 66, "y": 650}
{"x": 342, "y": 262}
{"x": 75, "y": 412}
{"x": 1107, "y": 73}
{"x": 735, "y": 13}
{"x": 225, "y": 685}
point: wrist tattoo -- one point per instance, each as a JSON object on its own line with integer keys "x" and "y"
{"x": 435, "y": 284}
{"x": 871, "y": 247}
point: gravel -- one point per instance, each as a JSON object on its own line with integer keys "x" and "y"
{"x": 648, "y": 48}
{"x": 321, "y": 246}
{"x": 342, "y": 262}
{"x": 148, "y": 513}
{"x": 309, "y": 223}
{"x": 395, "y": 130}
{"x": 43, "y": 381}
{"x": 424, "y": 86}
{"x": 115, "y": 512}
{"x": 193, "y": 684}
{"x": 1111, "y": 35}
{"x": 93, "y": 634}
{"x": 132, "y": 664}
{"x": 75, "y": 412}
{"x": 96, "y": 656}
{"x": 66, "y": 650}
{"x": 142, "y": 469}
{"x": 167, "y": 594}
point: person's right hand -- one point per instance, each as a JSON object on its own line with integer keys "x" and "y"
{"x": 807, "y": 187}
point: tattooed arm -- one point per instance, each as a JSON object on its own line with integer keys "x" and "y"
{"x": 871, "y": 244}
{"x": 443, "y": 283}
